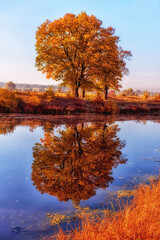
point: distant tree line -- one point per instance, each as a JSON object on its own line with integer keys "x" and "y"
{"x": 31, "y": 87}
{"x": 131, "y": 92}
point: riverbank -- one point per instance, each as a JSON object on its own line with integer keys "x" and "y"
{"x": 54, "y": 104}
{"x": 138, "y": 220}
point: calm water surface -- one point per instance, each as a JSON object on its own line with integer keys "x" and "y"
{"x": 72, "y": 164}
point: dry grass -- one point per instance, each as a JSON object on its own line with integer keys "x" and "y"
{"x": 50, "y": 102}
{"x": 138, "y": 221}
{"x": 139, "y": 98}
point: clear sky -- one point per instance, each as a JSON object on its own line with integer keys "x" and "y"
{"x": 137, "y": 23}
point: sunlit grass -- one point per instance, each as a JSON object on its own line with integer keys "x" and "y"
{"x": 54, "y": 102}
{"x": 139, "y": 220}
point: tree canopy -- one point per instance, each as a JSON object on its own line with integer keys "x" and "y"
{"x": 10, "y": 85}
{"x": 80, "y": 52}
{"x": 8, "y": 101}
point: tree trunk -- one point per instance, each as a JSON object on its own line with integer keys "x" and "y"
{"x": 76, "y": 92}
{"x": 79, "y": 141}
{"x": 83, "y": 93}
{"x": 106, "y": 92}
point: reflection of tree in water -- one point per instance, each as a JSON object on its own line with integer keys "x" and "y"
{"x": 73, "y": 164}
{"x": 9, "y": 124}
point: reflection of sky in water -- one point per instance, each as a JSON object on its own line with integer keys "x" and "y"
{"x": 143, "y": 153}
{"x": 142, "y": 143}
{"x": 19, "y": 197}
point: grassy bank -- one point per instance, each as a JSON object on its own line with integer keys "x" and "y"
{"x": 52, "y": 103}
{"x": 139, "y": 220}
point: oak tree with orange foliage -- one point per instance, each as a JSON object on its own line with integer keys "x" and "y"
{"x": 78, "y": 51}
{"x": 110, "y": 64}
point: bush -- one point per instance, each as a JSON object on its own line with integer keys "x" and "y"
{"x": 49, "y": 95}
{"x": 8, "y": 101}
{"x": 145, "y": 95}
{"x": 157, "y": 96}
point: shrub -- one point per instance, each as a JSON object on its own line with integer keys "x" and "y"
{"x": 8, "y": 101}
{"x": 49, "y": 95}
{"x": 145, "y": 95}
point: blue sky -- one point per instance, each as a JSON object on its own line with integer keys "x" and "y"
{"x": 137, "y": 23}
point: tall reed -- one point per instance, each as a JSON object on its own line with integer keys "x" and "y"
{"x": 139, "y": 220}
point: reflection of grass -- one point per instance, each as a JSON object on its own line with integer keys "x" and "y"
{"x": 57, "y": 218}
{"x": 126, "y": 193}
{"x": 153, "y": 159}
{"x": 79, "y": 214}
{"x": 138, "y": 220}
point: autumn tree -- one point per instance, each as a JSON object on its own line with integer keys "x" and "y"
{"x": 128, "y": 92}
{"x": 10, "y": 85}
{"x": 73, "y": 164}
{"x": 8, "y": 101}
{"x": 110, "y": 64}
{"x": 49, "y": 94}
{"x": 77, "y": 50}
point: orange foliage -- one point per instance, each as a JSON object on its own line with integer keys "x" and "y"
{"x": 50, "y": 102}
{"x": 77, "y": 50}
{"x": 8, "y": 101}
